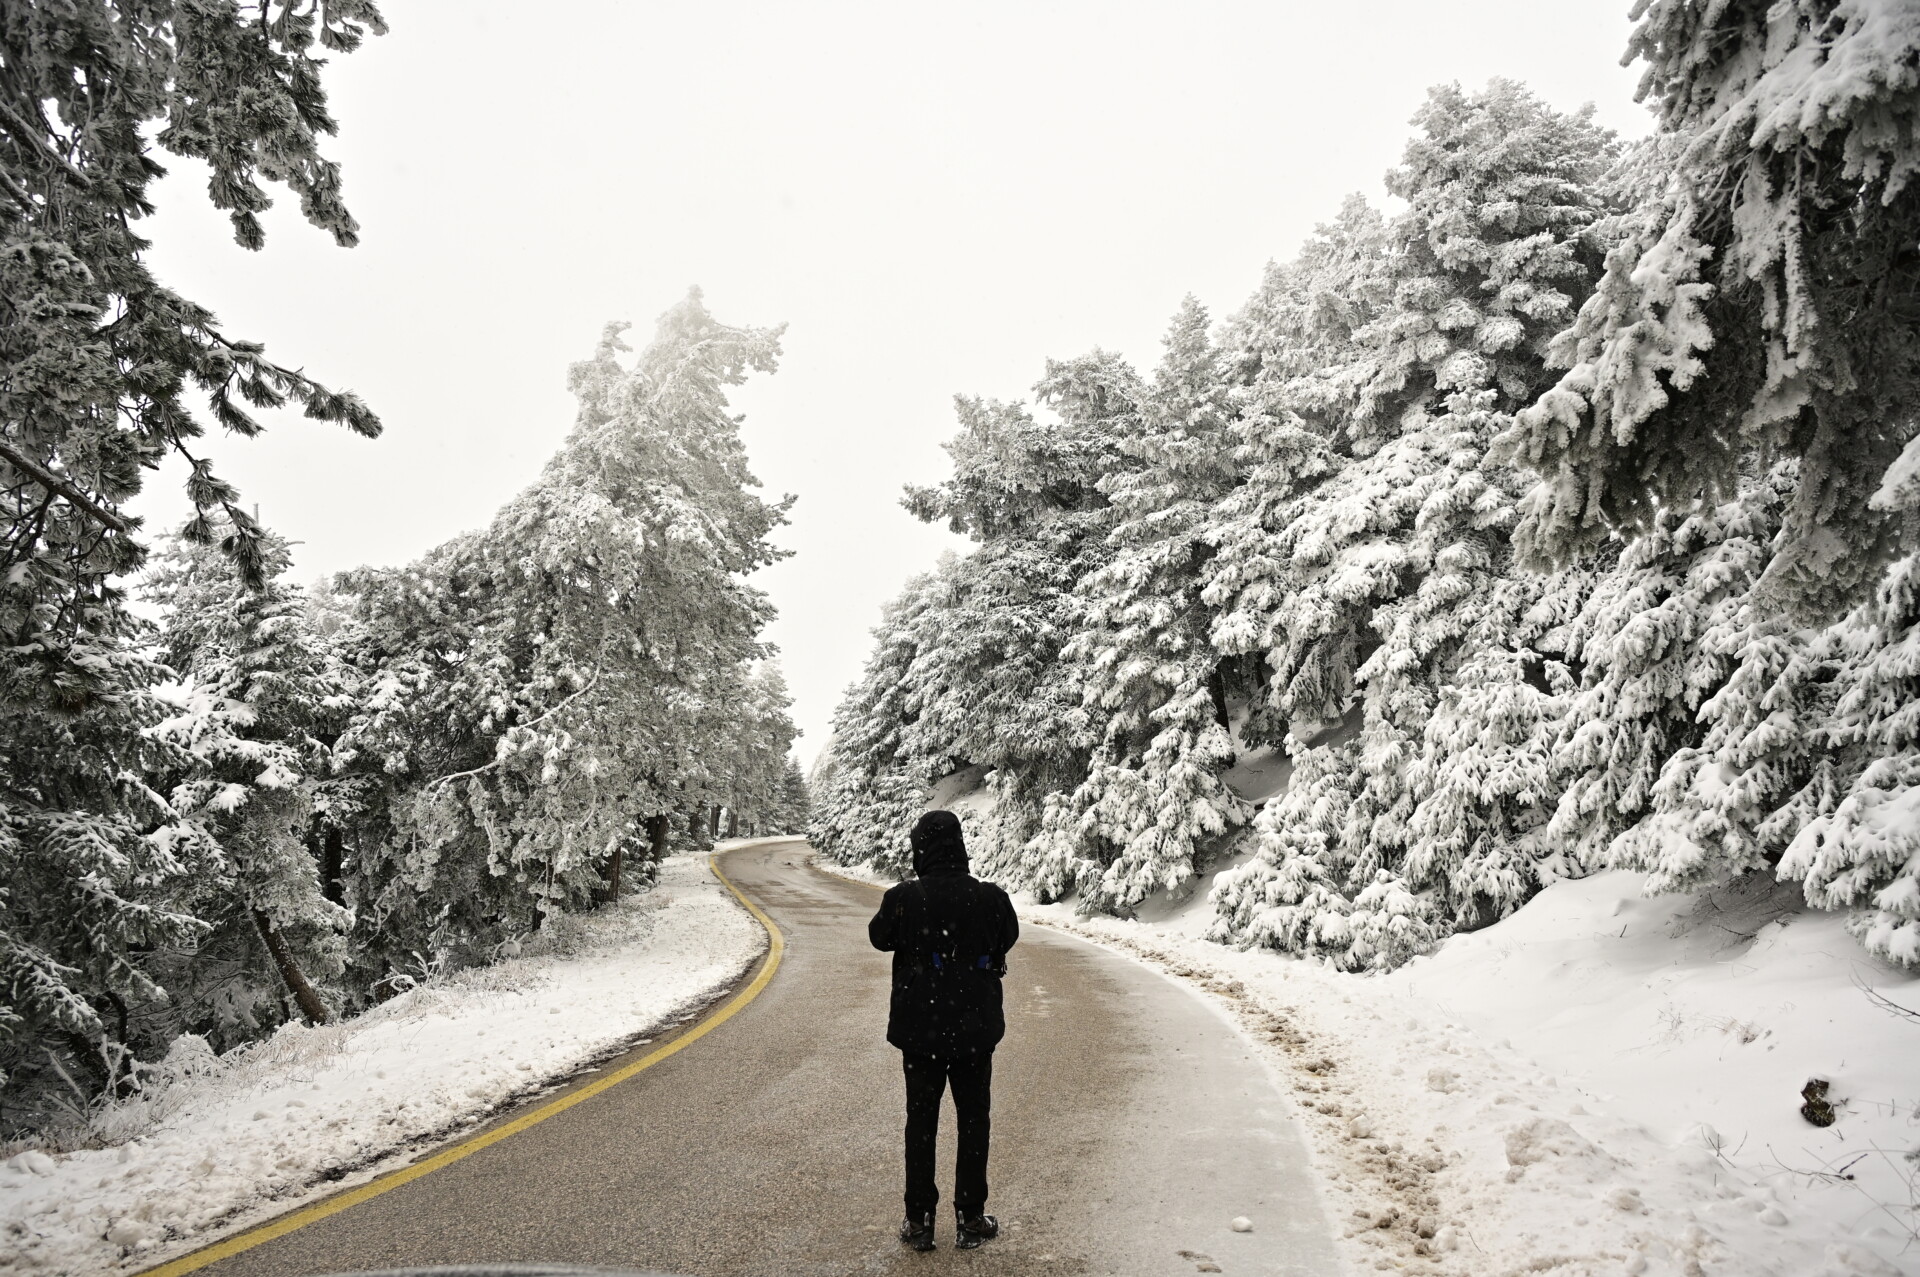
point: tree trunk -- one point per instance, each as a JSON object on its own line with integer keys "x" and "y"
{"x": 120, "y": 1015}
{"x": 658, "y": 827}
{"x": 733, "y": 822}
{"x": 713, "y": 821}
{"x": 332, "y": 866}
{"x": 1217, "y": 689}
{"x": 303, "y": 992}
{"x": 612, "y": 893}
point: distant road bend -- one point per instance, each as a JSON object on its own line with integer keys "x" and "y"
{"x": 1131, "y": 1124}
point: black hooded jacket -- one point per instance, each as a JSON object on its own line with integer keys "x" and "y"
{"x": 949, "y": 934}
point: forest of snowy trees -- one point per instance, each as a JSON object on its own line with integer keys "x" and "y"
{"x": 227, "y": 800}
{"x": 1561, "y": 518}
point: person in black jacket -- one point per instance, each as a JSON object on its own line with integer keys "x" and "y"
{"x": 949, "y": 934}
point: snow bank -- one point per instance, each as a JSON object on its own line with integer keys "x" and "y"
{"x": 1604, "y": 1083}
{"x": 217, "y": 1142}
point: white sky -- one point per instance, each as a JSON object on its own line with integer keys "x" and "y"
{"x": 934, "y": 198}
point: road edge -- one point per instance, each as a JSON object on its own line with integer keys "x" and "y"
{"x": 260, "y": 1234}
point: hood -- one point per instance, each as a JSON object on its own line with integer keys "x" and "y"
{"x": 937, "y": 844}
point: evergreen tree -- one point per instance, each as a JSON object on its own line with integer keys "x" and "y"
{"x": 793, "y": 808}
{"x": 1852, "y": 826}
{"x": 1314, "y": 535}
{"x": 1294, "y": 895}
{"x": 870, "y": 791}
{"x": 93, "y": 862}
{"x": 95, "y": 355}
{"x": 1732, "y": 803}
{"x": 1483, "y": 787}
{"x": 262, "y": 698}
{"x": 1764, "y": 301}
{"x": 1392, "y": 571}
{"x": 541, "y": 690}
{"x": 98, "y": 362}
{"x": 1155, "y": 693}
{"x": 1660, "y": 634}
{"x": 1296, "y": 353}
{"x": 759, "y": 766}
{"x": 989, "y": 685}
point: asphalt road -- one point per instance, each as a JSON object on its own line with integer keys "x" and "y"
{"x": 1131, "y": 1124}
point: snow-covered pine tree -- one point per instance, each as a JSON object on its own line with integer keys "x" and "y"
{"x": 1811, "y": 764}
{"x": 990, "y": 687}
{"x": 868, "y": 789}
{"x": 1660, "y": 633}
{"x": 94, "y": 372}
{"x": 1483, "y": 785}
{"x": 1297, "y": 365}
{"x": 1297, "y": 369}
{"x": 1760, "y": 772}
{"x": 1155, "y": 693}
{"x": 98, "y": 361}
{"x": 794, "y": 806}
{"x": 1765, "y": 301}
{"x": 261, "y": 698}
{"x": 1395, "y": 571}
{"x": 540, "y": 690}
{"x": 94, "y": 863}
{"x": 1853, "y": 844}
{"x": 1294, "y": 895}
{"x": 759, "y": 764}
{"x": 966, "y": 671}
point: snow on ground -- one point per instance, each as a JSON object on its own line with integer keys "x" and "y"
{"x": 215, "y": 1143}
{"x": 1604, "y": 1083}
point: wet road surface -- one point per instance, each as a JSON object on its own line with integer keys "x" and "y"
{"x": 1130, "y": 1125}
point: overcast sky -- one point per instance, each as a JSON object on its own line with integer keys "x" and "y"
{"x": 935, "y": 198}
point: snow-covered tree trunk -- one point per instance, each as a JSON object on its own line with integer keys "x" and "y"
{"x": 304, "y": 994}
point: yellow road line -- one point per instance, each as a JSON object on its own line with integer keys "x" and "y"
{"x": 466, "y": 1148}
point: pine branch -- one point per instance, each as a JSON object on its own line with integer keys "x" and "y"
{"x": 54, "y": 483}
{"x": 486, "y": 767}
{"x": 36, "y": 139}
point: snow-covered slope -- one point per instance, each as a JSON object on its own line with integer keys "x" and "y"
{"x": 1604, "y": 1083}
{"x": 217, "y": 1142}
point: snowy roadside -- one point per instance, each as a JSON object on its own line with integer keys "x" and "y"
{"x": 1602, "y": 1084}
{"x": 219, "y": 1143}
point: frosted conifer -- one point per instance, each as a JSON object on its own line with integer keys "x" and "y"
{"x": 1393, "y": 571}
{"x": 1779, "y": 245}
{"x": 539, "y": 690}
{"x": 99, "y": 366}
{"x": 1154, "y": 691}
{"x": 1294, "y": 897}
{"x": 262, "y": 698}
{"x": 1654, "y": 640}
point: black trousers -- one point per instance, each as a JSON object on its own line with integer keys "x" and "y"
{"x": 927, "y": 1079}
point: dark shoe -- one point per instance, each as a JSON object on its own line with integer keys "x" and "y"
{"x": 971, "y": 1231}
{"x": 917, "y": 1231}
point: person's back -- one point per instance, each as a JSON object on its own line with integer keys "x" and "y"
{"x": 949, "y": 934}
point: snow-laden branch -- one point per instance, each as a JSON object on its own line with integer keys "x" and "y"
{"x": 499, "y": 758}
{"x": 54, "y": 483}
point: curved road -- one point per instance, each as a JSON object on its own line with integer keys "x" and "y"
{"x": 1131, "y": 1123}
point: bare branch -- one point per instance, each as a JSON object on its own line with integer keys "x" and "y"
{"x": 1886, "y": 1003}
